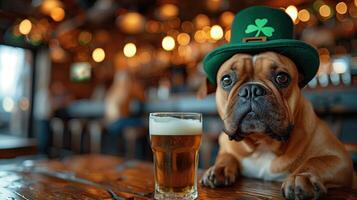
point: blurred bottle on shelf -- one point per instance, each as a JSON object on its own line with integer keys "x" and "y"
{"x": 335, "y": 73}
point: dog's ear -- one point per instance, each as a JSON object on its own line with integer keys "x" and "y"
{"x": 205, "y": 89}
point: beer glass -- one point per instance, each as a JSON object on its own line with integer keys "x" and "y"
{"x": 175, "y": 139}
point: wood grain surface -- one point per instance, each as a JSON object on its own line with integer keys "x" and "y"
{"x": 128, "y": 180}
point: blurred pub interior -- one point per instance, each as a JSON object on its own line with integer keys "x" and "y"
{"x": 81, "y": 76}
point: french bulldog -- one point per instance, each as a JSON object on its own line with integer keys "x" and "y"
{"x": 271, "y": 131}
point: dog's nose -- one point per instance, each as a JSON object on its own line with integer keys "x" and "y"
{"x": 249, "y": 91}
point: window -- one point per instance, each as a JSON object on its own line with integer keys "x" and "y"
{"x": 15, "y": 89}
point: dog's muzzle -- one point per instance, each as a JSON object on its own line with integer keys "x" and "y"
{"x": 256, "y": 111}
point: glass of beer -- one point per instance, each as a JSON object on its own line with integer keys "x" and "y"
{"x": 175, "y": 139}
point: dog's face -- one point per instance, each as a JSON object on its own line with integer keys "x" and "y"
{"x": 258, "y": 94}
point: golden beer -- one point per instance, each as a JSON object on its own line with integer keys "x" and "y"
{"x": 175, "y": 142}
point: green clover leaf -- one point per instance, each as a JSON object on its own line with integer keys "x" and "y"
{"x": 268, "y": 31}
{"x": 260, "y": 27}
{"x": 261, "y": 22}
{"x": 251, "y": 28}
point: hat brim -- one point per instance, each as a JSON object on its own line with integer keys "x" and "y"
{"x": 303, "y": 55}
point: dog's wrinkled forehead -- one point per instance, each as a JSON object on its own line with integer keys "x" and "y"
{"x": 258, "y": 63}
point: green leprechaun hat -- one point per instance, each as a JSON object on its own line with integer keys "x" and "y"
{"x": 258, "y": 29}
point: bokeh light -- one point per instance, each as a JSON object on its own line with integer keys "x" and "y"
{"x": 341, "y": 8}
{"x": 98, "y": 55}
{"x": 183, "y": 39}
{"x": 226, "y": 18}
{"x": 339, "y": 66}
{"x": 129, "y": 50}
{"x": 25, "y": 26}
{"x": 200, "y": 36}
{"x": 131, "y": 22}
{"x": 48, "y": 5}
{"x": 24, "y": 104}
{"x": 201, "y": 21}
{"x": 8, "y": 104}
{"x": 292, "y": 12}
{"x": 168, "y": 11}
{"x": 304, "y": 15}
{"x": 57, "y": 14}
{"x": 216, "y": 32}
{"x": 325, "y": 11}
{"x": 214, "y": 5}
{"x": 168, "y": 43}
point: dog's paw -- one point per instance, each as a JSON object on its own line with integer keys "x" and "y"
{"x": 217, "y": 176}
{"x": 303, "y": 186}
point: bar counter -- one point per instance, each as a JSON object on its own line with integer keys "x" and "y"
{"x": 107, "y": 177}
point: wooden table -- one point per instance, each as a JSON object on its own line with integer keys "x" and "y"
{"x": 128, "y": 180}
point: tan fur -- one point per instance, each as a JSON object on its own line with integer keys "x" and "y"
{"x": 312, "y": 151}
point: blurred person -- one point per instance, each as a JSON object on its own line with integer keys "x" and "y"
{"x": 124, "y": 91}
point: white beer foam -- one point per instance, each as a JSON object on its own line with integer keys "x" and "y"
{"x": 174, "y": 126}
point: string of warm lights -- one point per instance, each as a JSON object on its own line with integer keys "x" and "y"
{"x": 177, "y": 34}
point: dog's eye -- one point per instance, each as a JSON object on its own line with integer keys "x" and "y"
{"x": 226, "y": 81}
{"x": 283, "y": 79}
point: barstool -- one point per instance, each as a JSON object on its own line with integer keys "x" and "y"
{"x": 76, "y": 127}
{"x": 57, "y": 127}
{"x": 131, "y": 137}
{"x": 95, "y": 136}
